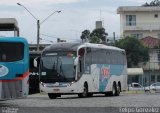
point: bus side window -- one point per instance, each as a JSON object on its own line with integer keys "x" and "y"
{"x": 121, "y": 58}
{"x": 114, "y": 57}
{"x": 94, "y": 56}
{"x": 124, "y": 58}
{"x": 88, "y": 60}
{"x": 108, "y": 57}
{"x": 81, "y": 52}
{"x": 102, "y": 57}
{"x": 88, "y": 56}
{"x": 111, "y": 58}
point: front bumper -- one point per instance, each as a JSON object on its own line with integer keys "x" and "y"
{"x": 60, "y": 88}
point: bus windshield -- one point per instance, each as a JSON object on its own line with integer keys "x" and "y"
{"x": 61, "y": 64}
{"x": 11, "y": 51}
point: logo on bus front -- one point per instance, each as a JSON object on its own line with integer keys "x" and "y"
{"x": 105, "y": 72}
{"x": 3, "y": 71}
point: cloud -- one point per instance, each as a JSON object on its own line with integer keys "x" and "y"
{"x": 33, "y": 5}
{"x": 76, "y": 16}
{"x": 31, "y": 2}
{"x": 140, "y": 1}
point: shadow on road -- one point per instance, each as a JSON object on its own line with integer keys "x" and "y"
{"x": 4, "y": 104}
{"x": 94, "y": 96}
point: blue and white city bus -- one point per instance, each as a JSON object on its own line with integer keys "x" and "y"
{"x": 83, "y": 69}
{"x": 14, "y": 68}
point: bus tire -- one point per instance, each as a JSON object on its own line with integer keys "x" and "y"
{"x": 85, "y": 91}
{"x": 108, "y": 94}
{"x": 52, "y": 96}
{"x": 90, "y": 94}
{"x": 114, "y": 89}
{"x": 118, "y": 90}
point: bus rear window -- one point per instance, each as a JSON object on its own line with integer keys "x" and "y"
{"x": 11, "y": 51}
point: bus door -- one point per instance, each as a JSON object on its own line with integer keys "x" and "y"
{"x": 81, "y": 53}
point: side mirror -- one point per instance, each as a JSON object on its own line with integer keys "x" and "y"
{"x": 76, "y": 61}
{"x": 36, "y": 62}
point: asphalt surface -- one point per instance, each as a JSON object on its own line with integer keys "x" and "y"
{"x": 72, "y": 104}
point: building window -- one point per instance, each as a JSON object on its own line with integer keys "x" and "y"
{"x": 158, "y": 78}
{"x": 158, "y": 56}
{"x": 138, "y": 35}
{"x": 152, "y": 79}
{"x": 130, "y": 20}
{"x": 158, "y": 35}
{"x": 156, "y": 16}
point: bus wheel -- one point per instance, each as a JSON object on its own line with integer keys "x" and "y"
{"x": 84, "y": 93}
{"x": 108, "y": 94}
{"x": 90, "y": 94}
{"x": 117, "y": 91}
{"x": 114, "y": 89}
{"x": 52, "y": 95}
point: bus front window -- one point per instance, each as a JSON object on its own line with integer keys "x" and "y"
{"x": 66, "y": 66}
{"x": 55, "y": 65}
{"x": 48, "y": 65}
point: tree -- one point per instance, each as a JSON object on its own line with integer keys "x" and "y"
{"x": 96, "y": 36}
{"x": 85, "y": 35}
{"x": 135, "y": 50}
{"x": 95, "y": 39}
{"x": 98, "y": 33}
{"x": 152, "y": 3}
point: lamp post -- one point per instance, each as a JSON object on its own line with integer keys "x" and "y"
{"x": 38, "y": 22}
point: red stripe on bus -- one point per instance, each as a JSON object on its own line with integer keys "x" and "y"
{"x": 18, "y": 78}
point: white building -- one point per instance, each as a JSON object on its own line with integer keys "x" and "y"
{"x": 139, "y": 21}
{"x": 152, "y": 68}
{"x": 143, "y": 22}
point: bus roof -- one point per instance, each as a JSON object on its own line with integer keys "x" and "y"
{"x": 35, "y": 52}
{"x": 102, "y": 46}
{"x": 74, "y": 46}
{"x": 14, "y": 39}
{"x": 63, "y": 46}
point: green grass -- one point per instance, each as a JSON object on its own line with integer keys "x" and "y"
{"x": 132, "y": 92}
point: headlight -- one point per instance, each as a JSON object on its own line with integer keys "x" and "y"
{"x": 42, "y": 84}
{"x": 71, "y": 83}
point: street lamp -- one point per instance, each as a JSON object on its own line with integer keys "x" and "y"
{"x": 38, "y": 22}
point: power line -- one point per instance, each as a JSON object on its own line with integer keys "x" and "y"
{"x": 49, "y": 36}
{"x": 57, "y": 37}
{"x": 47, "y": 40}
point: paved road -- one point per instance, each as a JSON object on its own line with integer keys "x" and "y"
{"x": 71, "y": 104}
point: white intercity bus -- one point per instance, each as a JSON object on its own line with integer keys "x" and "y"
{"x": 83, "y": 69}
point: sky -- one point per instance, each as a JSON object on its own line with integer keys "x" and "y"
{"x": 75, "y": 17}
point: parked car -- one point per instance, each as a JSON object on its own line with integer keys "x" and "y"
{"x": 155, "y": 87}
{"x": 135, "y": 87}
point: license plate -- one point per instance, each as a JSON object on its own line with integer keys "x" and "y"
{"x": 56, "y": 90}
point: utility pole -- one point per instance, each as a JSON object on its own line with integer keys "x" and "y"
{"x": 38, "y": 34}
{"x": 38, "y": 22}
{"x": 114, "y": 38}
